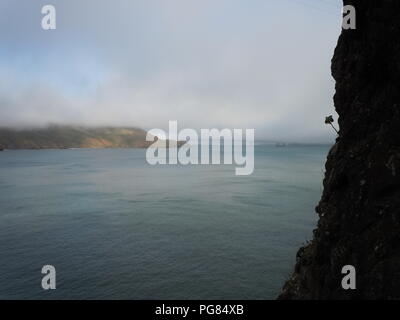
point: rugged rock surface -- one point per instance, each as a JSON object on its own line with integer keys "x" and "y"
{"x": 359, "y": 213}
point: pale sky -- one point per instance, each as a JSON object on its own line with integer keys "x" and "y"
{"x": 258, "y": 64}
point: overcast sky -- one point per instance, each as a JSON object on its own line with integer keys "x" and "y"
{"x": 259, "y": 64}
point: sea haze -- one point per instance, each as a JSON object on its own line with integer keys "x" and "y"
{"x": 117, "y": 228}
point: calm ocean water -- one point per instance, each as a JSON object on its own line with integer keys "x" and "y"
{"x": 117, "y": 228}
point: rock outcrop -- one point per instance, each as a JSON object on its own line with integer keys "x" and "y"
{"x": 359, "y": 212}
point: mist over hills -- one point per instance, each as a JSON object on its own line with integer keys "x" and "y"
{"x": 64, "y": 137}
{"x": 70, "y": 136}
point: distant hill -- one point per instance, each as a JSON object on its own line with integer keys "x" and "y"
{"x": 64, "y": 137}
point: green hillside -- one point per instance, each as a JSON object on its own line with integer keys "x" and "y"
{"x": 62, "y": 137}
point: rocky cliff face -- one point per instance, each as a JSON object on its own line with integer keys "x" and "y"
{"x": 359, "y": 213}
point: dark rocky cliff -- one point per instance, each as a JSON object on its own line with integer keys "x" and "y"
{"x": 359, "y": 212}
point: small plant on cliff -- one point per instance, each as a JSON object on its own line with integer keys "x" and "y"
{"x": 329, "y": 120}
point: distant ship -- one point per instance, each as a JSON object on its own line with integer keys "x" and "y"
{"x": 280, "y": 144}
